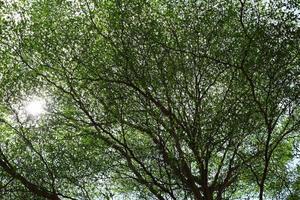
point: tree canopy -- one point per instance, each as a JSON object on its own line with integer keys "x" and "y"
{"x": 149, "y": 99}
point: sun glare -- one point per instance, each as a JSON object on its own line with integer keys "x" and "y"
{"x": 35, "y": 107}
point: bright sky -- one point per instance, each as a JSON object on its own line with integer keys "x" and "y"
{"x": 35, "y": 107}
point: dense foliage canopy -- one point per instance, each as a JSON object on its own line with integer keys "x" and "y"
{"x": 149, "y": 99}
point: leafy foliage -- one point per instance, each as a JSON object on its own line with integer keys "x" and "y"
{"x": 149, "y": 99}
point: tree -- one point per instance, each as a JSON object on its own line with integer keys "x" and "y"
{"x": 149, "y": 99}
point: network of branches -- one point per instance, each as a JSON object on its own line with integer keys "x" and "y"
{"x": 149, "y": 99}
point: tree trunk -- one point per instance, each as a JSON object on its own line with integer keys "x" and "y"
{"x": 208, "y": 196}
{"x": 261, "y": 192}
{"x": 219, "y": 195}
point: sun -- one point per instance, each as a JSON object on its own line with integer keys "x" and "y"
{"x": 35, "y": 107}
